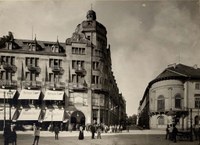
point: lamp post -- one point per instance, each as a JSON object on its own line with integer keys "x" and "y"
{"x": 4, "y": 106}
{"x": 9, "y": 93}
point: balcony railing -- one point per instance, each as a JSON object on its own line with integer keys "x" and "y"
{"x": 99, "y": 87}
{"x": 55, "y": 85}
{"x": 8, "y": 84}
{"x": 34, "y": 68}
{"x": 32, "y": 84}
{"x": 9, "y": 67}
{"x": 57, "y": 69}
{"x": 80, "y": 71}
{"x": 78, "y": 86}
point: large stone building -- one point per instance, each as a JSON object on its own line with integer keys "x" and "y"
{"x": 172, "y": 98}
{"x": 67, "y": 83}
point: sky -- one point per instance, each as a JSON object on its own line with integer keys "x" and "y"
{"x": 145, "y": 35}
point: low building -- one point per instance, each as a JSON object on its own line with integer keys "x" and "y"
{"x": 172, "y": 98}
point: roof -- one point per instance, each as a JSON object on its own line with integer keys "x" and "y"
{"x": 179, "y": 71}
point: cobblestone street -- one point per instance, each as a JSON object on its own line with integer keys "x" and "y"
{"x": 135, "y": 137}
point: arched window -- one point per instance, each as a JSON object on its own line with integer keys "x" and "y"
{"x": 161, "y": 103}
{"x": 178, "y": 101}
{"x": 161, "y": 120}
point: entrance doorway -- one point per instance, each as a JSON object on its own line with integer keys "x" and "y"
{"x": 77, "y": 118}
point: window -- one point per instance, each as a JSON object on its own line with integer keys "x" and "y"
{"x": 32, "y": 61}
{"x": 161, "y": 120}
{"x": 74, "y": 80}
{"x": 178, "y": 101}
{"x": 197, "y": 101}
{"x": 95, "y": 65}
{"x": 95, "y": 100}
{"x": 79, "y": 51}
{"x": 76, "y": 63}
{"x": 197, "y": 86}
{"x": 161, "y": 103}
{"x": 95, "y": 79}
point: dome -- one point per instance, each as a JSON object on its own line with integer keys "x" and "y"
{"x": 91, "y": 15}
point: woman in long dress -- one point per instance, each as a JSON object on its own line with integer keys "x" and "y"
{"x": 81, "y": 134}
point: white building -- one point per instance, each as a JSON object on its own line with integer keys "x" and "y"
{"x": 172, "y": 97}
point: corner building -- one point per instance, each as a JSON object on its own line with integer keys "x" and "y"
{"x": 69, "y": 83}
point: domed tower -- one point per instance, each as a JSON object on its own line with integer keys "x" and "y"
{"x": 91, "y": 15}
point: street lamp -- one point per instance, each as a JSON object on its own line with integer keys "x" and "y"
{"x": 4, "y": 106}
{"x": 9, "y": 93}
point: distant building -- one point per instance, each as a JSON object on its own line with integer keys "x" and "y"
{"x": 171, "y": 98}
{"x": 68, "y": 83}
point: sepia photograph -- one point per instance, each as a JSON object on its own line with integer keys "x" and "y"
{"x": 99, "y": 72}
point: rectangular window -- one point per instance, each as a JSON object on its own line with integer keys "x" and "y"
{"x": 95, "y": 100}
{"x": 50, "y": 62}
{"x": 93, "y": 79}
{"x": 197, "y": 102}
{"x": 161, "y": 105}
{"x": 197, "y": 86}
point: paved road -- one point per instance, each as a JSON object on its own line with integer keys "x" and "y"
{"x": 145, "y": 137}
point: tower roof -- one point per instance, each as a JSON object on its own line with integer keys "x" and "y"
{"x": 91, "y": 15}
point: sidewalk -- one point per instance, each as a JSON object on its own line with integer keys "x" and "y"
{"x": 88, "y": 133}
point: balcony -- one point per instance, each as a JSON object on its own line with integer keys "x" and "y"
{"x": 55, "y": 85}
{"x": 33, "y": 85}
{"x": 33, "y": 68}
{"x": 78, "y": 87}
{"x": 8, "y": 84}
{"x": 99, "y": 88}
{"x": 57, "y": 69}
{"x": 9, "y": 67}
{"x": 80, "y": 71}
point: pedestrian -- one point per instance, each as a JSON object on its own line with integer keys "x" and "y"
{"x": 170, "y": 132}
{"x": 167, "y": 132}
{"x": 81, "y": 133}
{"x": 36, "y": 135}
{"x": 174, "y": 133}
{"x": 13, "y": 135}
{"x": 93, "y": 130}
{"x": 121, "y": 128}
{"x": 56, "y": 131}
{"x": 7, "y": 134}
{"x": 195, "y": 130}
{"x": 99, "y": 130}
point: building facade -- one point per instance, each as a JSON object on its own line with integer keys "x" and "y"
{"x": 172, "y": 98}
{"x": 67, "y": 83}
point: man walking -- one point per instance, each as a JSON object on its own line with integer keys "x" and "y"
{"x": 56, "y": 130}
{"x": 37, "y": 135}
{"x": 93, "y": 130}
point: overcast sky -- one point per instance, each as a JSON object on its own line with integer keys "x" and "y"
{"x": 145, "y": 36}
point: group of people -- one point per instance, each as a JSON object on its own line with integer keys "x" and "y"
{"x": 10, "y": 135}
{"x": 171, "y": 132}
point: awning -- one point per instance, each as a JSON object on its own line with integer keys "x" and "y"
{"x": 54, "y": 115}
{"x": 29, "y": 114}
{"x": 6, "y": 93}
{"x": 7, "y": 113}
{"x": 29, "y": 94}
{"x": 54, "y": 95}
